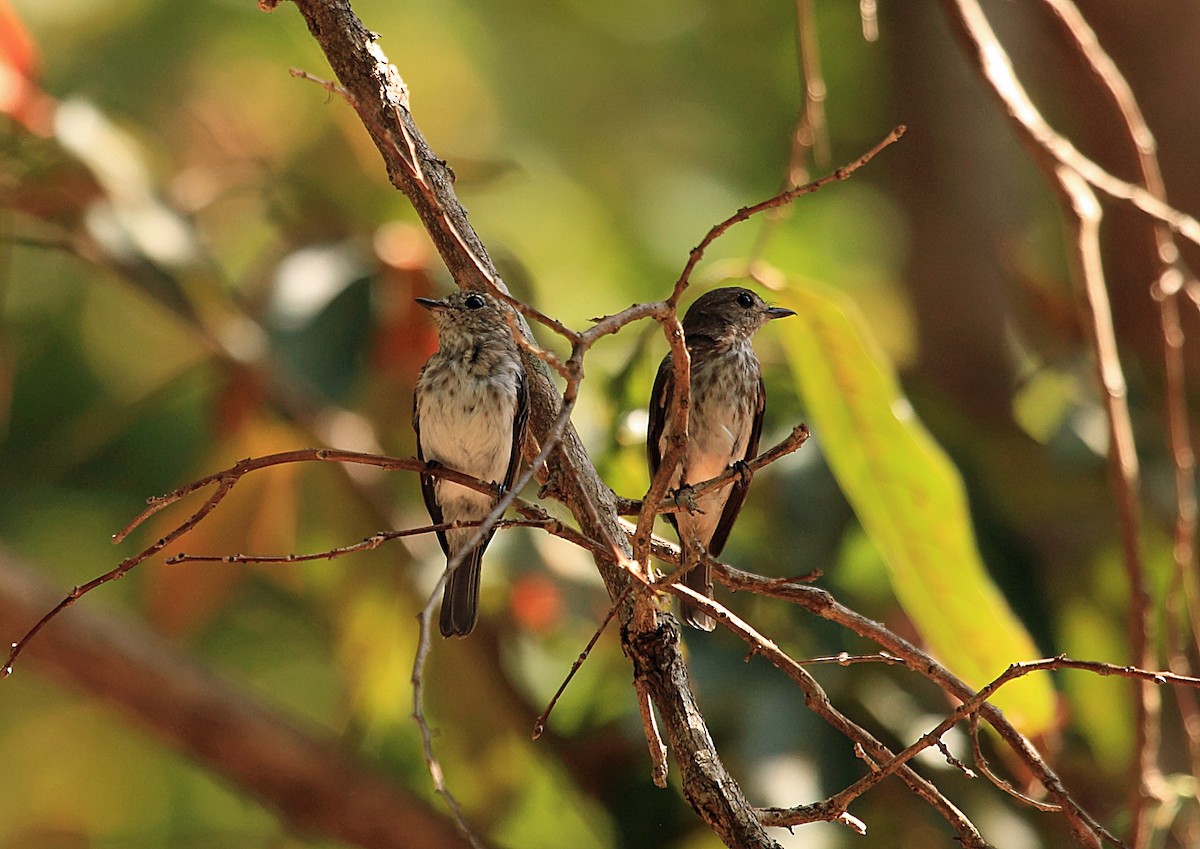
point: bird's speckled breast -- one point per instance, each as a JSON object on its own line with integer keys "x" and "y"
{"x": 724, "y": 398}
{"x": 470, "y": 427}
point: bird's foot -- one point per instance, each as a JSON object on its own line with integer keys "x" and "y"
{"x": 685, "y": 498}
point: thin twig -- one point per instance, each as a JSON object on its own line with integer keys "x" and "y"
{"x": 654, "y": 740}
{"x": 116, "y": 573}
{"x": 812, "y": 130}
{"x": 1087, "y": 831}
{"x": 540, "y": 725}
{"x": 1075, "y": 176}
{"x": 368, "y": 544}
{"x": 1123, "y": 470}
{"x": 303, "y": 774}
{"x": 303, "y": 455}
{"x": 432, "y": 764}
{"x": 1037, "y": 132}
{"x": 678, "y": 428}
{"x": 981, "y": 763}
{"x": 784, "y": 197}
{"x": 817, "y": 701}
{"x": 1165, "y": 290}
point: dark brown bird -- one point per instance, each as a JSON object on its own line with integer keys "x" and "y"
{"x": 469, "y": 411}
{"x": 724, "y": 423}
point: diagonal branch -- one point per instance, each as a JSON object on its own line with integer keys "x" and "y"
{"x": 380, "y": 98}
{"x": 1086, "y": 829}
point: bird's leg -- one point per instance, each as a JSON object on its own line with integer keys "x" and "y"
{"x": 744, "y": 471}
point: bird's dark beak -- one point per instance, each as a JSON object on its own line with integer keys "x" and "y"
{"x": 779, "y": 312}
{"x": 431, "y": 303}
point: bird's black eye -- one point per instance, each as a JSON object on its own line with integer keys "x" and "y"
{"x": 745, "y": 300}
{"x": 473, "y": 302}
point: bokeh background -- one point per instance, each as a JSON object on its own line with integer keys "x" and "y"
{"x": 202, "y": 260}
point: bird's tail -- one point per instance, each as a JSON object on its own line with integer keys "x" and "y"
{"x": 698, "y": 579}
{"x": 460, "y": 601}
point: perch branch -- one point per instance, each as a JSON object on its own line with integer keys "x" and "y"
{"x": 380, "y": 99}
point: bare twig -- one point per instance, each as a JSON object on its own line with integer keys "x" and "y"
{"x": 790, "y": 443}
{"x": 114, "y": 574}
{"x": 417, "y": 679}
{"x": 981, "y": 763}
{"x": 224, "y": 481}
{"x": 870, "y": 22}
{"x": 1087, "y": 831}
{"x": 1123, "y": 468}
{"x": 368, "y": 544}
{"x": 1166, "y": 291}
{"x": 540, "y": 725}
{"x": 784, "y": 197}
{"x": 1037, "y": 133}
{"x": 678, "y": 429}
{"x": 658, "y": 749}
{"x": 812, "y": 130}
{"x": 818, "y": 702}
{"x": 1074, "y": 176}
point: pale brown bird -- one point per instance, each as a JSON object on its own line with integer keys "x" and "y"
{"x": 469, "y": 411}
{"x": 724, "y": 423}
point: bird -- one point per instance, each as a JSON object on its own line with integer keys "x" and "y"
{"x": 470, "y": 408}
{"x": 725, "y": 420}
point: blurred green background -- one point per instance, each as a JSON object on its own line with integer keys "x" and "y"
{"x": 204, "y": 261}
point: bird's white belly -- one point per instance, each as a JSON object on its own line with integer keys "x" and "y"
{"x": 719, "y": 426}
{"x": 472, "y": 433}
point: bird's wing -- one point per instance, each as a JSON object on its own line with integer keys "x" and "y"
{"x": 660, "y": 409}
{"x": 737, "y": 492}
{"x": 427, "y": 484}
{"x": 518, "y": 436}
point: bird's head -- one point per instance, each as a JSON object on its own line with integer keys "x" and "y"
{"x": 467, "y": 313}
{"x": 728, "y": 315}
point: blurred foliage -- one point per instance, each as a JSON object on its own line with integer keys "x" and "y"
{"x": 202, "y": 260}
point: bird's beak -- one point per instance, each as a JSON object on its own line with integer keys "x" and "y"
{"x": 431, "y": 303}
{"x": 779, "y": 312}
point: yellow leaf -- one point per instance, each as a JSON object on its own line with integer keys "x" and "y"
{"x": 910, "y": 500}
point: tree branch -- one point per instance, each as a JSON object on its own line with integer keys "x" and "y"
{"x": 1087, "y": 831}
{"x": 379, "y": 96}
{"x": 1073, "y": 177}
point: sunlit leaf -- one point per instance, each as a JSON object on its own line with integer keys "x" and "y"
{"x": 909, "y": 498}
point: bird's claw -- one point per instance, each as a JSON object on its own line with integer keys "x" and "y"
{"x": 744, "y": 471}
{"x": 685, "y": 497}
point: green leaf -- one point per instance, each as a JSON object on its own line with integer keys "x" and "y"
{"x": 910, "y": 501}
